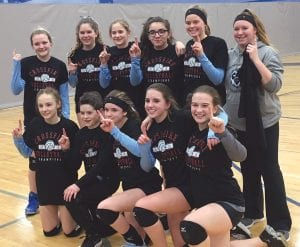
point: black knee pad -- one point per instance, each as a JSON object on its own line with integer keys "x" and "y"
{"x": 144, "y": 216}
{"x": 192, "y": 233}
{"x": 56, "y": 230}
{"x": 107, "y": 216}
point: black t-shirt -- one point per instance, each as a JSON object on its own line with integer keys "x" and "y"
{"x": 131, "y": 173}
{"x": 169, "y": 139}
{"x": 119, "y": 66}
{"x": 89, "y": 146}
{"x": 53, "y": 172}
{"x": 164, "y": 66}
{"x": 210, "y": 172}
{"x": 88, "y": 63}
{"x": 38, "y": 75}
{"x": 216, "y": 51}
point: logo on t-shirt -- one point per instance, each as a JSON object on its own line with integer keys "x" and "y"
{"x": 192, "y": 62}
{"x": 162, "y": 146}
{"x": 90, "y": 68}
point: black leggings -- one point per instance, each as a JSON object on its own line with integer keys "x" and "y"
{"x": 83, "y": 207}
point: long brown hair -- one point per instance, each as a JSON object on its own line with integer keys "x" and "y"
{"x": 94, "y": 25}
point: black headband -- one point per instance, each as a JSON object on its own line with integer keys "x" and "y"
{"x": 244, "y": 17}
{"x": 116, "y": 101}
{"x": 200, "y": 13}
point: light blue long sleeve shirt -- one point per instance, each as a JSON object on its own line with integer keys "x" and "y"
{"x": 136, "y": 74}
{"x": 140, "y": 150}
{"x": 17, "y": 85}
{"x": 22, "y": 147}
{"x": 215, "y": 75}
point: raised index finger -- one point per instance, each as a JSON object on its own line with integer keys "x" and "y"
{"x": 20, "y": 124}
{"x": 197, "y": 39}
{"x": 64, "y": 132}
{"x": 100, "y": 115}
{"x": 136, "y": 41}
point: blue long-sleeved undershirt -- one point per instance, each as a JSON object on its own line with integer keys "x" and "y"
{"x": 18, "y": 84}
{"x": 136, "y": 74}
{"x": 140, "y": 150}
{"x": 104, "y": 76}
{"x": 73, "y": 80}
{"x": 215, "y": 75}
{"x": 22, "y": 147}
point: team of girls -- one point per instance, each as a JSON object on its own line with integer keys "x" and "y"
{"x": 194, "y": 148}
{"x": 41, "y": 139}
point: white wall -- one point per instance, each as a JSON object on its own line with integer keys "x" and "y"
{"x": 17, "y": 22}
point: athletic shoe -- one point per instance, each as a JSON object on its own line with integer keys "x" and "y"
{"x": 248, "y": 222}
{"x": 127, "y": 244}
{"x": 285, "y": 233}
{"x": 273, "y": 238}
{"x": 92, "y": 240}
{"x": 240, "y": 231}
{"x": 33, "y": 204}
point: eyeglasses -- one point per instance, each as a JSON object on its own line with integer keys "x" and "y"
{"x": 160, "y": 32}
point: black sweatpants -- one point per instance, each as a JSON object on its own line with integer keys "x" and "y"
{"x": 264, "y": 163}
{"x": 84, "y": 206}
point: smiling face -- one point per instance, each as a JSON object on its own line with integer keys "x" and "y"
{"x": 158, "y": 35}
{"x": 87, "y": 36}
{"x": 41, "y": 46}
{"x": 89, "y": 116}
{"x": 195, "y": 26}
{"x": 115, "y": 113}
{"x": 202, "y": 109}
{"x": 48, "y": 108}
{"x": 244, "y": 33}
{"x": 120, "y": 35}
{"x": 156, "y": 105}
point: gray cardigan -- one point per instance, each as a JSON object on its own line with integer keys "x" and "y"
{"x": 269, "y": 103}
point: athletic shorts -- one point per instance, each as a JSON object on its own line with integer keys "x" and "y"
{"x": 235, "y": 212}
{"x": 185, "y": 190}
{"x": 148, "y": 188}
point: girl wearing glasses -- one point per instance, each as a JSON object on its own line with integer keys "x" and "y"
{"x": 159, "y": 60}
{"x": 206, "y": 56}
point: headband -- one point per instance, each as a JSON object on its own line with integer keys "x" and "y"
{"x": 244, "y": 17}
{"x": 200, "y": 13}
{"x": 116, "y": 101}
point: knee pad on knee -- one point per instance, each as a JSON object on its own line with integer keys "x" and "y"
{"x": 144, "y": 216}
{"x": 56, "y": 230}
{"x": 107, "y": 216}
{"x": 192, "y": 233}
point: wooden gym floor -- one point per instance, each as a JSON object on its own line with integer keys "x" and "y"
{"x": 18, "y": 230}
